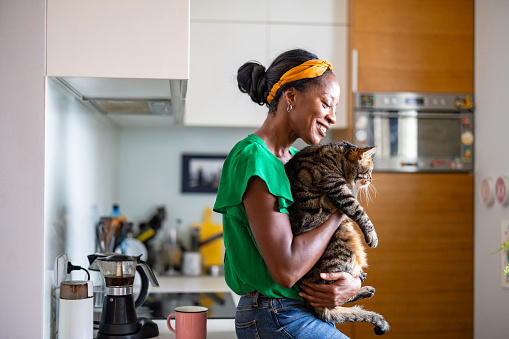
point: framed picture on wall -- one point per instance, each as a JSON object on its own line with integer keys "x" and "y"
{"x": 201, "y": 172}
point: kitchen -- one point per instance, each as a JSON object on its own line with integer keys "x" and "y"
{"x": 24, "y": 196}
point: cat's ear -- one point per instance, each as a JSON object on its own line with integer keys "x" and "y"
{"x": 369, "y": 151}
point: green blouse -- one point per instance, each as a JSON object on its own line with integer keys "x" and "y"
{"x": 245, "y": 270}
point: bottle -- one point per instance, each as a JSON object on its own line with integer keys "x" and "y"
{"x": 172, "y": 252}
{"x": 115, "y": 211}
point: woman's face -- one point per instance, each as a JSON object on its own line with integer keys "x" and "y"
{"x": 314, "y": 111}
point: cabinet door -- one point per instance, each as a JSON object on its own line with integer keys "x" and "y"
{"x": 229, "y": 10}
{"x": 414, "y": 45}
{"x": 323, "y": 12}
{"x": 217, "y": 51}
{"x": 327, "y": 42}
{"x": 422, "y": 269}
{"x": 118, "y": 38}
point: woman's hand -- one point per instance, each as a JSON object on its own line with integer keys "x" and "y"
{"x": 344, "y": 287}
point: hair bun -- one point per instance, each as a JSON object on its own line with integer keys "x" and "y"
{"x": 251, "y": 79}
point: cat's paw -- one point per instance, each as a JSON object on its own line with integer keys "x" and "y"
{"x": 371, "y": 239}
{"x": 382, "y": 328}
{"x": 366, "y": 292}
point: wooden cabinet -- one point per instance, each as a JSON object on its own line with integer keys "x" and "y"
{"x": 422, "y": 269}
{"x": 118, "y": 39}
{"x": 225, "y": 34}
{"x": 413, "y": 45}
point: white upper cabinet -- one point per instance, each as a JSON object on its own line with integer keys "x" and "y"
{"x": 217, "y": 52}
{"x": 229, "y": 10}
{"x": 323, "y": 12}
{"x": 146, "y": 39}
{"x": 227, "y": 33}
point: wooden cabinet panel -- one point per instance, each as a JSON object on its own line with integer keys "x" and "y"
{"x": 414, "y": 45}
{"x": 422, "y": 269}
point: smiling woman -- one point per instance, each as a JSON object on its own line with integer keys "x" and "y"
{"x": 263, "y": 260}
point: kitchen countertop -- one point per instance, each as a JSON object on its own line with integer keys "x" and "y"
{"x": 184, "y": 284}
{"x": 181, "y": 283}
{"x": 216, "y": 328}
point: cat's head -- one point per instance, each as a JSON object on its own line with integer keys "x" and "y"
{"x": 361, "y": 159}
{"x": 365, "y": 167}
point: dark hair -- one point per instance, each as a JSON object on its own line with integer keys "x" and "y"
{"x": 256, "y": 81}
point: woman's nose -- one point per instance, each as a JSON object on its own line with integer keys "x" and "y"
{"x": 331, "y": 116}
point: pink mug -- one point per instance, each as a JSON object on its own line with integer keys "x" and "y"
{"x": 190, "y": 322}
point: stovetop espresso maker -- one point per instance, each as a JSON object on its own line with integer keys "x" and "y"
{"x": 118, "y": 318}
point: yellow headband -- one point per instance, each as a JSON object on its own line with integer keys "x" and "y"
{"x": 308, "y": 69}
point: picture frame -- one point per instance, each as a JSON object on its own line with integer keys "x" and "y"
{"x": 201, "y": 172}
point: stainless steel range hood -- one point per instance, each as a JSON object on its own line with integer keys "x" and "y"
{"x": 119, "y": 96}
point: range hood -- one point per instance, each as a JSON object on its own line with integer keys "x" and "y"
{"x": 122, "y": 96}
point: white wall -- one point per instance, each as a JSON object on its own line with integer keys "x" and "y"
{"x": 80, "y": 183}
{"x": 491, "y": 301}
{"x": 81, "y": 174}
{"x": 22, "y": 63}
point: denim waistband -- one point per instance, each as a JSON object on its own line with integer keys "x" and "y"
{"x": 256, "y": 299}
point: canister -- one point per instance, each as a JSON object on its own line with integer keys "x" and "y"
{"x": 76, "y": 310}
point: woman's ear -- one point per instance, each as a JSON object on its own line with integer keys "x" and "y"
{"x": 288, "y": 95}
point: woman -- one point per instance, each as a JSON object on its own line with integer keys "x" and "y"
{"x": 263, "y": 261}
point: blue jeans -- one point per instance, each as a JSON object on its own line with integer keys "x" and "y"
{"x": 259, "y": 317}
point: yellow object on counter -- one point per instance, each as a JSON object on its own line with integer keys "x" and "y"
{"x": 211, "y": 240}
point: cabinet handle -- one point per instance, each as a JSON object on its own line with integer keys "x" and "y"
{"x": 354, "y": 70}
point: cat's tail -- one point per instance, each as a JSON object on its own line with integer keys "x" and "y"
{"x": 340, "y": 314}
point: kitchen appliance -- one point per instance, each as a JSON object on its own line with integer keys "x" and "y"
{"x": 118, "y": 318}
{"x": 416, "y": 131}
{"x": 120, "y": 97}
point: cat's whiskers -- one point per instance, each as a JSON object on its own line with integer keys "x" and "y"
{"x": 373, "y": 189}
{"x": 364, "y": 190}
{"x": 367, "y": 191}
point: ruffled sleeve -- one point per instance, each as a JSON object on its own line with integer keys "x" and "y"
{"x": 247, "y": 159}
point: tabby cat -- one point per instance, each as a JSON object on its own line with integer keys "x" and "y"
{"x": 322, "y": 178}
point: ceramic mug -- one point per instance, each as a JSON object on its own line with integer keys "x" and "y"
{"x": 190, "y": 322}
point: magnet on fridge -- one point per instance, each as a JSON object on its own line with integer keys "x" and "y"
{"x": 501, "y": 193}
{"x": 486, "y": 191}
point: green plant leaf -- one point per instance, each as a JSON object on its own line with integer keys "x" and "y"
{"x": 503, "y": 247}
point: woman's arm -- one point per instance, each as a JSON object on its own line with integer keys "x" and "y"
{"x": 287, "y": 257}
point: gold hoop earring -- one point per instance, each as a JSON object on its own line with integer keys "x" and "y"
{"x": 289, "y": 108}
